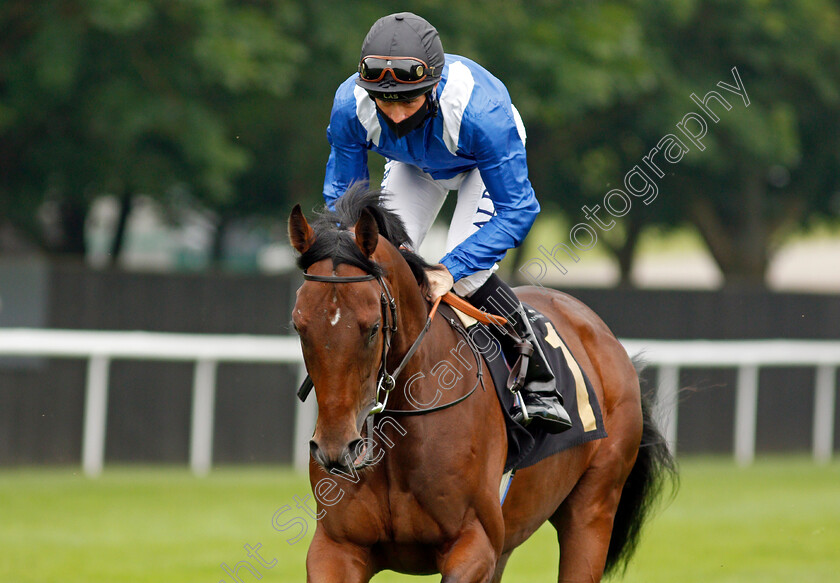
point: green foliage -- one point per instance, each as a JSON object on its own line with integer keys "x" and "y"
{"x": 132, "y": 97}
{"x": 766, "y": 169}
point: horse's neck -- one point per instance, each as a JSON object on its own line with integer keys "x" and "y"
{"x": 442, "y": 362}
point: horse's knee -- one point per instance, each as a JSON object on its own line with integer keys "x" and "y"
{"x": 328, "y": 561}
{"x": 471, "y": 559}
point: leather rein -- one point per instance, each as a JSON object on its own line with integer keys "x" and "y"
{"x": 387, "y": 381}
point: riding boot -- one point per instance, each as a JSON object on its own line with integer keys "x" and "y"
{"x": 531, "y": 374}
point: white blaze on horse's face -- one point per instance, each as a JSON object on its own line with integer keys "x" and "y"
{"x": 334, "y": 320}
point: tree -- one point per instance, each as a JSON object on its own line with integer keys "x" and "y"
{"x": 128, "y": 97}
{"x": 766, "y": 167}
{"x": 772, "y": 167}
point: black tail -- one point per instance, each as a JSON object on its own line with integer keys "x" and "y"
{"x": 654, "y": 469}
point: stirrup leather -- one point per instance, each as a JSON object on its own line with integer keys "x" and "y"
{"x": 519, "y": 370}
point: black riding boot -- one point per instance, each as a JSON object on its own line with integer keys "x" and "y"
{"x": 543, "y": 404}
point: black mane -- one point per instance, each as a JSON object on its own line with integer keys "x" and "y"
{"x": 333, "y": 240}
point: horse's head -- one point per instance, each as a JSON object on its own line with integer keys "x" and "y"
{"x": 346, "y": 316}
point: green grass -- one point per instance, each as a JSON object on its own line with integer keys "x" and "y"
{"x": 778, "y": 520}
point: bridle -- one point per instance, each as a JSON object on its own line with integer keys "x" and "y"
{"x": 387, "y": 381}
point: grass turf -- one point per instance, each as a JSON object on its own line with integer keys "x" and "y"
{"x": 778, "y": 520}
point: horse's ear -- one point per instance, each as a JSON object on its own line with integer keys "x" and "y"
{"x": 367, "y": 232}
{"x": 301, "y": 235}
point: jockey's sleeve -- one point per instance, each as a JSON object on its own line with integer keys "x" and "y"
{"x": 494, "y": 140}
{"x": 348, "y": 151}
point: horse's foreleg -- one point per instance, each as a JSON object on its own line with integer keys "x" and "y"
{"x": 470, "y": 559}
{"x": 330, "y": 562}
{"x": 500, "y": 567}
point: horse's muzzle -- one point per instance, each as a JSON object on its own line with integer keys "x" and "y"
{"x": 338, "y": 458}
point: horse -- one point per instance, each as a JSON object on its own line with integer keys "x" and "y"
{"x": 420, "y": 495}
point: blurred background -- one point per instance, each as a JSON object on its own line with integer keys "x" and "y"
{"x": 151, "y": 150}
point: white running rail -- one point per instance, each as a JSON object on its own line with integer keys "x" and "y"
{"x": 100, "y": 348}
{"x": 747, "y": 356}
{"x": 206, "y": 351}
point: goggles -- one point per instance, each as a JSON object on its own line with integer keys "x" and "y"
{"x": 404, "y": 69}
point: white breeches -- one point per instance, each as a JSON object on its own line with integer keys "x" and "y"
{"x": 417, "y": 198}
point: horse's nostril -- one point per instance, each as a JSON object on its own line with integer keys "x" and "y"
{"x": 316, "y": 452}
{"x": 355, "y": 449}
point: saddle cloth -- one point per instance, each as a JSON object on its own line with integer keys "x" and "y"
{"x": 527, "y": 446}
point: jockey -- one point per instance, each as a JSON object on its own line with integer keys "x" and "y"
{"x": 445, "y": 123}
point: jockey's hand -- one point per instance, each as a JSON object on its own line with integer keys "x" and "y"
{"x": 440, "y": 282}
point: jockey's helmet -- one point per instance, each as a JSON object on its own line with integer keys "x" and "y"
{"x": 402, "y": 58}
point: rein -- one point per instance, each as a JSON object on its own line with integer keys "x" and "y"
{"x": 479, "y": 381}
{"x": 387, "y": 381}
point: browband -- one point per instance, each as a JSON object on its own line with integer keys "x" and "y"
{"x": 338, "y": 278}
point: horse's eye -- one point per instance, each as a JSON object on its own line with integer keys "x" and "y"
{"x": 374, "y": 330}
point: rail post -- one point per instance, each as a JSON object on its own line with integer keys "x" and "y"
{"x": 203, "y": 405}
{"x": 96, "y": 412}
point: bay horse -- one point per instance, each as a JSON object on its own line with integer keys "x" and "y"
{"x": 431, "y": 501}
